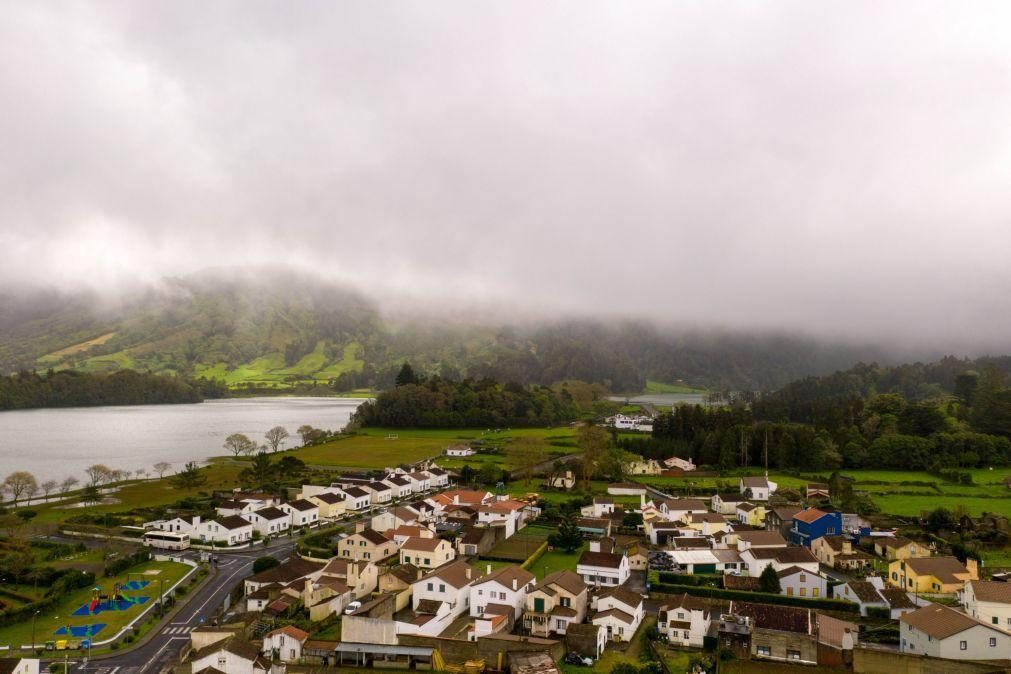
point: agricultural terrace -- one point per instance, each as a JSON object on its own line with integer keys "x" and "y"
{"x": 87, "y": 613}
{"x": 382, "y": 447}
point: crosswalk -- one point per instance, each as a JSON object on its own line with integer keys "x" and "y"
{"x": 186, "y": 629}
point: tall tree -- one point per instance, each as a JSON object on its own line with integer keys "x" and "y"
{"x": 48, "y": 486}
{"x": 406, "y": 375}
{"x": 568, "y": 537}
{"x": 593, "y": 441}
{"x": 275, "y": 436}
{"x": 161, "y": 467}
{"x": 768, "y": 581}
{"x": 525, "y": 453}
{"x": 259, "y": 471}
{"x": 190, "y": 477}
{"x": 307, "y": 433}
{"x": 20, "y": 484}
{"x": 98, "y": 474}
{"x": 68, "y": 484}
{"x": 239, "y": 443}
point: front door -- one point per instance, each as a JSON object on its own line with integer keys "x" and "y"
{"x": 538, "y": 605}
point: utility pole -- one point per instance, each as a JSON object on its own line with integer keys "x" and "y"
{"x": 34, "y": 616}
{"x": 766, "y": 453}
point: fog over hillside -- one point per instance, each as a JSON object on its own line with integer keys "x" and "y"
{"x": 836, "y": 171}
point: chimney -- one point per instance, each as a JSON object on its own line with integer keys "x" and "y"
{"x": 468, "y": 571}
{"x": 196, "y": 521}
{"x": 973, "y": 568}
{"x": 594, "y": 546}
{"x": 514, "y": 584}
{"x": 642, "y": 500}
{"x": 456, "y": 499}
{"x": 488, "y": 569}
{"x": 359, "y": 526}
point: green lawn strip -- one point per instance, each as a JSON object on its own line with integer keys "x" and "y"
{"x": 331, "y": 632}
{"x": 653, "y": 386}
{"x": 60, "y": 614}
{"x": 556, "y": 560}
{"x": 913, "y": 505}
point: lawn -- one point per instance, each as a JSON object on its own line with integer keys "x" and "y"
{"x": 913, "y": 505}
{"x": 382, "y": 447}
{"x": 653, "y": 386}
{"x": 522, "y": 544}
{"x": 147, "y": 493}
{"x": 556, "y": 560}
{"x": 61, "y": 615}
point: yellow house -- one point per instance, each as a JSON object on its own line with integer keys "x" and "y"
{"x": 896, "y": 547}
{"x": 932, "y": 575}
{"x": 367, "y": 544}
{"x": 331, "y": 506}
{"x": 641, "y": 466}
{"x": 750, "y": 513}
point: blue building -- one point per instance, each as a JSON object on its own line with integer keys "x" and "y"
{"x": 812, "y": 523}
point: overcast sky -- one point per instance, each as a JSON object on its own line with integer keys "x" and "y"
{"x": 840, "y": 167}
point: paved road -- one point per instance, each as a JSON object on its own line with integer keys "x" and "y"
{"x": 162, "y": 651}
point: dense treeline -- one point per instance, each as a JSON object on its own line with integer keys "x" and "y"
{"x": 442, "y": 403}
{"x": 843, "y": 421}
{"x": 67, "y": 388}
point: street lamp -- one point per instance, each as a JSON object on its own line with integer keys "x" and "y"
{"x": 34, "y": 616}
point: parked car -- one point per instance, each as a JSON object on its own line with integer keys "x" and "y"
{"x": 352, "y": 607}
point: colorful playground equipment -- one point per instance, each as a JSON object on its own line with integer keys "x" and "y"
{"x": 115, "y": 601}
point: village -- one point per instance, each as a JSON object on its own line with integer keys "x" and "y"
{"x": 742, "y": 576}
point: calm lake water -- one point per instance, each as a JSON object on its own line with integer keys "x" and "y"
{"x": 663, "y": 399}
{"x": 59, "y": 443}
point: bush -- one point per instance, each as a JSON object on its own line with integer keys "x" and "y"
{"x": 758, "y": 597}
{"x": 264, "y": 563}
{"x": 120, "y": 565}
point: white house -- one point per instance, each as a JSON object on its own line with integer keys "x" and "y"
{"x": 438, "y": 477}
{"x": 598, "y": 568}
{"x": 302, "y": 513}
{"x": 941, "y": 632}
{"x": 620, "y": 612}
{"x": 285, "y": 644}
{"x": 224, "y": 530}
{"x": 507, "y": 587}
{"x": 18, "y": 665}
{"x": 685, "y": 621}
{"x": 459, "y": 451}
{"x": 797, "y": 582}
{"x": 506, "y": 513}
{"x": 564, "y": 480}
{"x": 637, "y": 423}
{"x": 989, "y": 601}
{"x": 726, "y": 504}
{"x": 232, "y": 656}
{"x": 602, "y": 506}
{"x": 687, "y": 465}
{"x": 379, "y": 492}
{"x": 176, "y": 524}
{"x": 400, "y": 486}
{"x": 358, "y": 499}
{"x": 269, "y": 521}
{"x": 678, "y": 509}
{"x": 448, "y": 585}
{"x": 756, "y": 559}
{"x": 757, "y": 487}
{"x": 420, "y": 481}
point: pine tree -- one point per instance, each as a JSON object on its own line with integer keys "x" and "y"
{"x": 406, "y": 375}
{"x": 769, "y": 581}
{"x": 568, "y": 537}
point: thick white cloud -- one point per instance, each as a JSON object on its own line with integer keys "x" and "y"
{"x": 836, "y": 167}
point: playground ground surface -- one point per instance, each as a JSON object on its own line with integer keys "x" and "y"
{"x": 143, "y": 580}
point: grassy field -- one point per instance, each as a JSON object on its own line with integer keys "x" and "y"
{"x": 382, "y": 447}
{"x": 913, "y": 505}
{"x": 60, "y": 615}
{"x": 57, "y": 356}
{"x": 653, "y": 386}
{"x": 522, "y": 544}
{"x": 556, "y": 560}
{"x": 271, "y": 370}
{"x": 145, "y": 493}
{"x": 632, "y": 655}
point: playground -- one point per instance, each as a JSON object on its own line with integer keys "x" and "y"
{"x": 97, "y": 612}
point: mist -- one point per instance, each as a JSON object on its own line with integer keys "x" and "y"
{"x": 838, "y": 170}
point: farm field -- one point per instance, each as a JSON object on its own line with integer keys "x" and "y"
{"x": 382, "y": 447}
{"x": 61, "y": 615}
{"x": 913, "y": 505}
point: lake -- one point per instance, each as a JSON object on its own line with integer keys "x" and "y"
{"x": 662, "y": 399}
{"x": 59, "y": 443}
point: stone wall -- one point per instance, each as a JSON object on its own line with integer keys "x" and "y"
{"x": 873, "y": 661}
{"x": 486, "y": 648}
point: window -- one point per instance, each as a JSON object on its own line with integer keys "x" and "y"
{"x": 685, "y": 634}
{"x": 803, "y": 592}
{"x": 442, "y": 587}
{"x": 765, "y": 650}
{"x": 567, "y": 602}
{"x": 993, "y": 642}
{"x": 559, "y": 625}
{"x": 480, "y": 593}
{"x": 994, "y": 620}
{"x": 963, "y": 646}
{"x": 815, "y": 592}
{"x": 792, "y": 655}
{"x": 429, "y": 587}
{"x": 803, "y": 578}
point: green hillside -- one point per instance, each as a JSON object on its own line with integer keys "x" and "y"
{"x": 279, "y": 330}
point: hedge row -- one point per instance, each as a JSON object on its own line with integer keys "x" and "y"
{"x": 123, "y": 563}
{"x": 70, "y": 580}
{"x": 694, "y": 579}
{"x": 757, "y": 597}
{"x": 532, "y": 559}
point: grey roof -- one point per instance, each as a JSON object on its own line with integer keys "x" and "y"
{"x": 386, "y": 649}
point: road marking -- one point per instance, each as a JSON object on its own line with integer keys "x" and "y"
{"x": 114, "y": 670}
{"x": 156, "y": 655}
{"x": 227, "y": 580}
